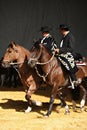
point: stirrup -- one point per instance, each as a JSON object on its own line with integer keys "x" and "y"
{"x": 71, "y": 86}
{"x": 77, "y": 82}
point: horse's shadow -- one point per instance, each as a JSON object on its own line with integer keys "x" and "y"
{"x": 18, "y": 105}
{"x": 21, "y": 106}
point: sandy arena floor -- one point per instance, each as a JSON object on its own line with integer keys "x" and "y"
{"x": 12, "y": 116}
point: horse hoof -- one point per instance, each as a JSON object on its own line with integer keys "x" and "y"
{"x": 46, "y": 115}
{"x": 28, "y": 110}
{"x": 82, "y": 109}
{"x": 37, "y": 103}
{"x": 67, "y": 112}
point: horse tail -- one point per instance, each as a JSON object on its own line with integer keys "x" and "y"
{"x": 84, "y": 82}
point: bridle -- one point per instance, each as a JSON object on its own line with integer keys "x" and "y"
{"x": 14, "y": 64}
{"x": 39, "y": 55}
{"x": 41, "y": 63}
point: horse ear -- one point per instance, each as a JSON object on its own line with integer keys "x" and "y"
{"x": 12, "y": 45}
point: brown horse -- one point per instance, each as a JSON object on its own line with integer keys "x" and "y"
{"x": 53, "y": 72}
{"x": 19, "y": 56}
{"x": 31, "y": 79}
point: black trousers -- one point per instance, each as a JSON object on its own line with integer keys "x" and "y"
{"x": 73, "y": 76}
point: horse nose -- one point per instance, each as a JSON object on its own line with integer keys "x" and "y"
{"x": 5, "y": 64}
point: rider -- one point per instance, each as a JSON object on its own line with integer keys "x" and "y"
{"x": 47, "y": 39}
{"x": 66, "y": 52}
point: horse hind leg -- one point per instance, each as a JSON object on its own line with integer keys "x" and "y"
{"x": 82, "y": 103}
{"x": 53, "y": 95}
{"x": 75, "y": 93}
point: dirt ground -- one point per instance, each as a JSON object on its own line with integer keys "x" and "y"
{"x": 12, "y": 116}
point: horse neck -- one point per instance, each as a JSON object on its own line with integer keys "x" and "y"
{"x": 45, "y": 55}
{"x": 23, "y": 57}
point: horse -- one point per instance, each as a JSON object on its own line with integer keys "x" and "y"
{"x": 18, "y": 56}
{"x": 53, "y": 73}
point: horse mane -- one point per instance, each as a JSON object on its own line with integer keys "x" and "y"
{"x": 37, "y": 44}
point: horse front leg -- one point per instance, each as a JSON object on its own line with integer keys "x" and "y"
{"x": 28, "y": 98}
{"x": 50, "y": 106}
{"x": 64, "y": 103}
{"x": 53, "y": 95}
{"x": 29, "y": 92}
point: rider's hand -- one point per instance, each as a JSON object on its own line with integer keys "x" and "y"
{"x": 56, "y": 50}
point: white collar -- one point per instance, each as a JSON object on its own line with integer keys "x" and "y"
{"x": 66, "y": 33}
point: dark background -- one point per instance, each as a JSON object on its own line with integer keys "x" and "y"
{"x": 20, "y": 21}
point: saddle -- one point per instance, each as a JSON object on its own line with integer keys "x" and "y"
{"x": 81, "y": 62}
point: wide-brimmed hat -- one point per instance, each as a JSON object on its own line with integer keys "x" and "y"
{"x": 64, "y": 26}
{"x": 45, "y": 29}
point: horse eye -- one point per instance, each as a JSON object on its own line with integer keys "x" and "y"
{"x": 9, "y": 51}
{"x": 16, "y": 50}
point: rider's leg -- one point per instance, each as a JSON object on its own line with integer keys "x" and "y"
{"x": 73, "y": 80}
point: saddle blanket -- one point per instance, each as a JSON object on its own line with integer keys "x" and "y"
{"x": 81, "y": 63}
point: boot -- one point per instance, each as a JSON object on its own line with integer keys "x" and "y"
{"x": 74, "y": 81}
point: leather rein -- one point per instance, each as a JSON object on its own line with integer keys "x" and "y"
{"x": 41, "y": 63}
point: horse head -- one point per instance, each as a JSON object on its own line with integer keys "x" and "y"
{"x": 35, "y": 54}
{"x": 10, "y": 55}
{"x": 40, "y": 54}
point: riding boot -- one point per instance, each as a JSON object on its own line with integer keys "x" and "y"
{"x": 74, "y": 81}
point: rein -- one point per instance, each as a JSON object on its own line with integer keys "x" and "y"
{"x": 44, "y": 63}
{"x": 38, "y": 63}
{"x": 12, "y": 63}
{"x": 18, "y": 63}
{"x": 42, "y": 76}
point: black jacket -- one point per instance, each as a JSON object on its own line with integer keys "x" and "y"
{"x": 68, "y": 46}
{"x": 68, "y": 43}
{"x": 49, "y": 42}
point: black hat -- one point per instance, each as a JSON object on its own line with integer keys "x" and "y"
{"x": 64, "y": 26}
{"x": 45, "y": 29}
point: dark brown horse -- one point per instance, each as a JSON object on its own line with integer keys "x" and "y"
{"x": 53, "y": 73}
